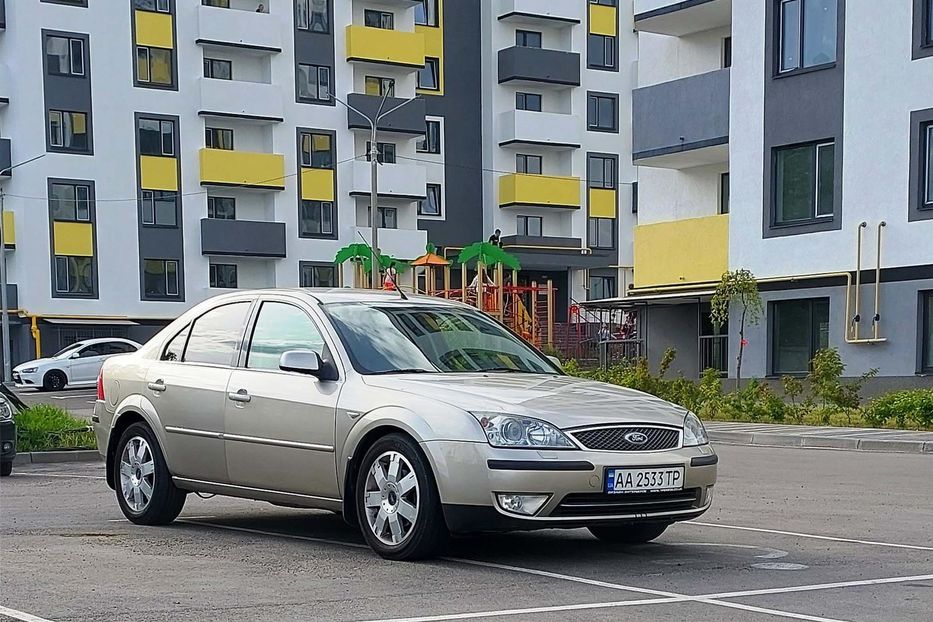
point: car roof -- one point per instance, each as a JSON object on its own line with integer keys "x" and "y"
{"x": 96, "y": 340}
{"x": 346, "y": 294}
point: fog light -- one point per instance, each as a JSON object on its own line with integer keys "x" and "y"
{"x": 526, "y": 505}
{"x": 709, "y": 494}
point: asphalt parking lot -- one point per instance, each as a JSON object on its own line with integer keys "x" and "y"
{"x": 79, "y": 402}
{"x": 800, "y": 534}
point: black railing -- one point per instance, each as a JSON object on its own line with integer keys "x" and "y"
{"x": 714, "y": 353}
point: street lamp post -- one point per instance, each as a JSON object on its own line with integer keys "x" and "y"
{"x": 374, "y": 167}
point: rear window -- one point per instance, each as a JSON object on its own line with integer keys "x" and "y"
{"x": 176, "y": 347}
{"x": 215, "y": 336}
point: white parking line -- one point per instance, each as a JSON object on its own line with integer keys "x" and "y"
{"x": 914, "y": 547}
{"x": 62, "y": 475}
{"x": 19, "y": 615}
{"x": 820, "y": 586}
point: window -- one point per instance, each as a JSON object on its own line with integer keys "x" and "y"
{"x": 93, "y": 351}
{"x": 602, "y": 172}
{"x": 601, "y": 52}
{"x": 604, "y": 2}
{"x": 163, "y": 6}
{"x": 215, "y": 336}
{"x": 116, "y": 347}
{"x": 385, "y": 152}
{"x": 153, "y": 65}
{"x": 532, "y": 226}
{"x": 431, "y": 206}
{"x": 156, "y": 137}
{"x": 602, "y": 232}
{"x": 313, "y": 15}
{"x": 74, "y": 276}
{"x": 727, "y": 52}
{"x": 160, "y": 208}
{"x": 64, "y": 56}
{"x": 223, "y": 275}
{"x": 528, "y": 101}
{"x": 218, "y": 138}
{"x": 315, "y": 218}
{"x": 68, "y": 130}
{"x": 218, "y": 69}
{"x": 426, "y": 13}
{"x": 528, "y": 164}
{"x": 602, "y": 112}
{"x": 221, "y": 208}
{"x": 221, "y": 4}
{"x": 428, "y": 76}
{"x": 927, "y": 36}
{"x": 807, "y": 31}
{"x": 635, "y": 198}
{"x": 176, "y": 347}
{"x": 160, "y": 278}
{"x": 279, "y": 328}
{"x": 527, "y": 39}
{"x": 387, "y": 218}
{"x": 926, "y": 336}
{"x": 70, "y": 202}
{"x": 431, "y": 143}
{"x": 798, "y": 329}
{"x": 317, "y": 275}
{"x": 313, "y": 83}
{"x": 379, "y": 19}
{"x": 804, "y": 183}
{"x": 317, "y": 150}
{"x": 724, "y": 193}
{"x": 602, "y": 287}
{"x": 380, "y": 87}
{"x": 927, "y": 160}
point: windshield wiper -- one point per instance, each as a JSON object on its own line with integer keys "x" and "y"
{"x": 412, "y": 370}
{"x": 508, "y": 369}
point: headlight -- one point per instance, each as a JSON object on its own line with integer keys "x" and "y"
{"x": 6, "y": 411}
{"x": 29, "y": 370}
{"x": 694, "y": 432}
{"x": 517, "y": 431}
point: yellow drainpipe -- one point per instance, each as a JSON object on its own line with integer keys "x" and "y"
{"x": 34, "y": 329}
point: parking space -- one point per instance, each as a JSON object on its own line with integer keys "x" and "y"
{"x": 79, "y": 402}
{"x": 794, "y": 534}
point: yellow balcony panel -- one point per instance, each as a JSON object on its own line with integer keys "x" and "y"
{"x": 158, "y": 173}
{"x": 222, "y": 167}
{"x": 694, "y": 250}
{"x": 317, "y": 184}
{"x": 602, "y": 203}
{"x": 604, "y": 20}
{"x": 9, "y": 229}
{"x": 379, "y": 45}
{"x": 539, "y": 190}
{"x": 74, "y": 239}
{"x": 154, "y": 29}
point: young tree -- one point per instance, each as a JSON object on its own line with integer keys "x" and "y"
{"x": 737, "y": 287}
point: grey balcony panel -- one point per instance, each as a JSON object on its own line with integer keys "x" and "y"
{"x": 406, "y": 120}
{"x": 539, "y": 65}
{"x": 242, "y": 238}
{"x": 6, "y": 157}
{"x": 681, "y": 115}
{"x": 552, "y": 253}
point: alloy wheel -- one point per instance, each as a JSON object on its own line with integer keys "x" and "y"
{"x": 137, "y": 474}
{"x": 391, "y": 498}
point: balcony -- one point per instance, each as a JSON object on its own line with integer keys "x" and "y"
{"x": 399, "y": 243}
{"x": 232, "y": 98}
{"x": 543, "y": 129}
{"x": 396, "y": 181}
{"x": 406, "y": 120}
{"x": 554, "y": 13}
{"x": 242, "y": 29}
{"x": 264, "y": 171}
{"x": 521, "y": 65}
{"x": 548, "y": 252}
{"x": 518, "y": 190}
{"x": 678, "y": 18}
{"x": 388, "y": 47}
{"x": 6, "y": 157}
{"x": 242, "y": 238}
{"x": 693, "y": 250}
{"x": 682, "y": 123}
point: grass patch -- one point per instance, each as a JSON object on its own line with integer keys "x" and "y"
{"x": 44, "y": 427}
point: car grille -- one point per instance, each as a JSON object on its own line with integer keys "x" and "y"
{"x": 603, "y": 504}
{"x": 613, "y": 439}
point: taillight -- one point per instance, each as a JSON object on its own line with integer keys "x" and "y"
{"x": 100, "y": 385}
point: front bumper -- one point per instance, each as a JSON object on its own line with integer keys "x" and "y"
{"x": 21, "y": 380}
{"x": 7, "y": 441}
{"x": 470, "y": 475}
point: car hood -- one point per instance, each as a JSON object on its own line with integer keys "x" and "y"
{"x": 564, "y": 401}
{"x": 35, "y": 363}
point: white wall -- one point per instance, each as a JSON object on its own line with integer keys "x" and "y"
{"x": 666, "y": 194}
{"x": 663, "y": 58}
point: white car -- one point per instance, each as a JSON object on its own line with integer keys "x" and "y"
{"x": 78, "y": 365}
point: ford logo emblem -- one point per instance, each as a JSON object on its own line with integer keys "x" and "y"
{"x": 636, "y": 438}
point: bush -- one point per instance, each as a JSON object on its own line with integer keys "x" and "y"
{"x": 912, "y": 408}
{"x": 43, "y": 427}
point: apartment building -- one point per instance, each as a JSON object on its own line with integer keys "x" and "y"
{"x": 157, "y": 152}
{"x": 792, "y": 138}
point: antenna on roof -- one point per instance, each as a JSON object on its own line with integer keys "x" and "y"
{"x": 379, "y": 259}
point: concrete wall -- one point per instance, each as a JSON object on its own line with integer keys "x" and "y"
{"x": 675, "y": 327}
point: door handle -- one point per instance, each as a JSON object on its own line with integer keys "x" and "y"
{"x": 158, "y": 386}
{"x": 241, "y": 396}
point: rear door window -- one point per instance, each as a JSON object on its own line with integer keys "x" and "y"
{"x": 281, "y": 327}
{"x": 176, "y": 346}
{"x": 215, "y": 336}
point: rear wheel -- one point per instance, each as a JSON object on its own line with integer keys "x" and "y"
{"x": 54, "y": 380}
{"x": 6, "y": 468}
{"x": 145, "y": 491}
{"x": 635, "y": 533}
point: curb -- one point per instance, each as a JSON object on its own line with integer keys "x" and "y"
{"x": 45, "y": 457}
{"x": 821, "y": 442}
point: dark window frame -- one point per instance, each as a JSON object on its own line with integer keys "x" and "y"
{"x": 87, "y": 149}
{"x": 608, "y": 164}
{"x": 212, "y": 207}
{"x": 432, "y": 67}
{"x": 214, "y": 276}
{"x": 922, "y": 29}
{"x": 815, "y": 217}
{"x": 594, "y": 239}
{"x": 608, "y": 45}
{"x": 522, "y": 161}
{"x": 434, "y": 190}
{"x": 386, "y": 153}
{"x": 321, "y": 207}
{"x": 432, "y": 140}
{"x": 321, "y": 26}
{"x": 211, "y": 64}
{"x": 603, "y": 280}
{"x": 522, "y": 101}
{"x": 431, "y": 17}
{"x": 214, "y": 136}
{"x": 70, "y": 41}
{"x": 523, "y": 37}
{"x": 154, "y": 221}
{"x": 725, "y": 192}
{"x": 925, "y": 338}
{"x": 385, "y": 19}
{"x": 310, "y": 161}
{"x": 311, "y": 267}
{"x": 148, "y": 82}
{"x": 168, "y": 295}
{"x": 593, "y": 120}
{"x": 318, "y": 71}
{"x": 779, "y": 71}
{"x": 813, "y": 333}
{"x": 163, "y": 124}
{"x": 522, "y": 222}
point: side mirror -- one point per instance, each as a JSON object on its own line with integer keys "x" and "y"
{"x": 556, "y": 361}
{"x": 76, "y": 355}
{"x": 302, "y": 362}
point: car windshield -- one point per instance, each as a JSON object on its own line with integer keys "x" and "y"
{"x": 67, "y": 349}
{"x": 411, "y": 338}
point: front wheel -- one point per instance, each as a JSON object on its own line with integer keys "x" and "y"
{"x": 397, "y": 502}
{"x": 55, "y": 380}
{"x": 636, "y": 533}
{"x": 145, "y": 491}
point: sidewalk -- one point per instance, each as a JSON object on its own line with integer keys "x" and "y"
{"x": 863, "y": 439}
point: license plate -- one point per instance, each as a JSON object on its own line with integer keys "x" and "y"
{"x": 644, "y": 480}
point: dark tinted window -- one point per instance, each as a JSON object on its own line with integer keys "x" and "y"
{"x": 799, "y": 329}
{"x": 216, "y": 334}
{"x": 94, "y": 350}
{"x": 281, "y": 327}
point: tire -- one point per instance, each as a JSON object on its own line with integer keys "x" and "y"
{"x": 404, "y": 535}
{"x": 6, "y": 468}
{"x": 54, "y": 380}
{"x": 164, "y": 502}
{"x": 634, "y": 533}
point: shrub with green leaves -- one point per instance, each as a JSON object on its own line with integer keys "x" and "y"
{"x": 44, "y": 427}
{"x": 912, "y": 408}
